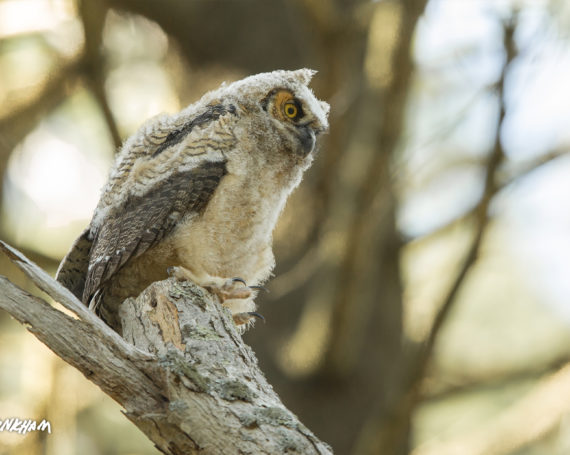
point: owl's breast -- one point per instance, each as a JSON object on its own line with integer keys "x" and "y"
{"x": 233, "y": 236}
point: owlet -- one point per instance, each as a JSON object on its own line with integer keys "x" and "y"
{"x": 197, "y": 194}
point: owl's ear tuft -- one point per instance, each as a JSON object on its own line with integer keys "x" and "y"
{"x": 303, "y": 75}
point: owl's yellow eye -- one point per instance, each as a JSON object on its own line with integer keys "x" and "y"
{"x": 290, "y": 109}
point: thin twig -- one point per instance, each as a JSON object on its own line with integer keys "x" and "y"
{"x": 299, "y": 274}
{"x": 93, "y": 18}
{"x": 16, "y": 126}
{"x": 505, "y": 178}
{"x": 455, "y": 386}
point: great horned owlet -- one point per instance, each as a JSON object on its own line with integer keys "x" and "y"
{"x": 199, "y": 192}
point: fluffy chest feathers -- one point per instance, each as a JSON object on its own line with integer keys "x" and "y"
{"x": 233, "y": 236}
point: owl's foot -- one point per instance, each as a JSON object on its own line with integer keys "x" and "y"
{"x": 233, "y": 288}
{"x": 234, "y": 293}
{"x": 225, "y": 289}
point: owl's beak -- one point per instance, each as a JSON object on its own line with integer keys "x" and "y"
{"x": 307, "y": 137}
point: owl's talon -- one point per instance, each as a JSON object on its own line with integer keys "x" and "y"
{"x": 256, "y": 315}
{"x": 246, "y": 318}
{"x": 239, "y": 280}
{"x": 260, "y": 288}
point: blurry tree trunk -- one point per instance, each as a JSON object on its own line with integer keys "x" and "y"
{"x": 367, "y": 332}
{"x": 182, "y": 372}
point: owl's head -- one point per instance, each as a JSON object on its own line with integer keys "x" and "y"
{"x": 296, "y": 112}
{"x": 287, "y": 107}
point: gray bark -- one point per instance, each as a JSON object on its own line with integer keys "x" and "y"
{"x": 182, "y": 372}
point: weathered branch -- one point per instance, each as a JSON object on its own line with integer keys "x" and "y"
{"x": 182, "y": 372}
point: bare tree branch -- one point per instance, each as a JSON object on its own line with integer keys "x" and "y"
{"x": 505, "y": 178}
{"x": 15, "y": 127}
{"x": 182, "y": 373}
{"x": 300, "y": 273}
{"x": 481, "y": 212}
{"x": 93, "y": 18}
{"x": 437, "y": 389}
{"x": 530, "y": 166}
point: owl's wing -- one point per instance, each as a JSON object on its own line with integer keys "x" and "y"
{"x": 131, "y": 228}
{"x": 73, "y": 269}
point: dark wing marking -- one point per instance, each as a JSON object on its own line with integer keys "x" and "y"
{"x": 73, "y": 268}
{"x": 211, "y": 114}
{"x": 142, "y": 221}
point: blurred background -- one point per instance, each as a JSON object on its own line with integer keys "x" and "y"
{"x": 421, "y": 302}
